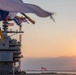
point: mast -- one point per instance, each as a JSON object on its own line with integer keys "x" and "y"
{"x": 10, "y": 52}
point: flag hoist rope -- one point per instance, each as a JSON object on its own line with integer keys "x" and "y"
{"x": 20, "y": 40}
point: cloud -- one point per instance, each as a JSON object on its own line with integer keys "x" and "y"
{"x": 54, "y": 63}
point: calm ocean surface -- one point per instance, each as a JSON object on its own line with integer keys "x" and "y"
{"x": 63, "y": 72}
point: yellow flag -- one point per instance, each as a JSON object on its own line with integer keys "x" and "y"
{"x": 1, "y": 35}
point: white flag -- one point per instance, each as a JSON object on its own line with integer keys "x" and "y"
{"x": 18, "y": 6}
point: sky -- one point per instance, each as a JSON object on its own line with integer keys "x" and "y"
{"x": 49, "y": 39}
{"x": 52, "y": 42}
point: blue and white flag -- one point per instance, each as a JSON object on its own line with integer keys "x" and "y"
{"x": 18, "y": 6}
{"x": 17, "y": 21}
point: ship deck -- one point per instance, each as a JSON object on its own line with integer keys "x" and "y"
{"x": 40, "y": 74}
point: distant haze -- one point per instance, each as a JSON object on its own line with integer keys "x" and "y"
{"x": 54, "y": 63}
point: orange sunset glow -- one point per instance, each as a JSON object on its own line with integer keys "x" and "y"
{"x": 49, "y": 39}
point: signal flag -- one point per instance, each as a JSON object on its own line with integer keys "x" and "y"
{"x": 43, "y": 68}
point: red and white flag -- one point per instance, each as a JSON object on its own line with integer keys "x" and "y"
{"x": 43, "y": 68}
{"x": 23, "y": 20}
{"x": 11, "y": 24}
